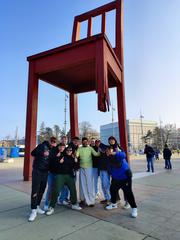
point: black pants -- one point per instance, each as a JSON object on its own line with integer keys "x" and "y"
{"x": 39, "y": 181}
{"x": 126, "y": 186}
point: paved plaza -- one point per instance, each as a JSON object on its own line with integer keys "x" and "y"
{"x": 157, "y": 196}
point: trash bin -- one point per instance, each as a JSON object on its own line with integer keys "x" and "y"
{"x": 3, "y": 153}
{"x": 14, "y": 152}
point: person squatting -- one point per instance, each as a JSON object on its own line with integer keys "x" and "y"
{"x": 59, "y": 166}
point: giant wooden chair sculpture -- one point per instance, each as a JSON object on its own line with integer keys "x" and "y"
{"x": 81, "y": 66}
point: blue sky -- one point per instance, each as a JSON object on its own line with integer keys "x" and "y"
{"x": 152, "y": 54}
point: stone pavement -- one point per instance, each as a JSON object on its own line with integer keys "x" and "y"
{"x": 157, "y": 196}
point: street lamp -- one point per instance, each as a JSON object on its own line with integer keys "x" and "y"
{"x": 112, "y": 109}
{"x": 65, "y": 110}
{"x": 141, "y": 117}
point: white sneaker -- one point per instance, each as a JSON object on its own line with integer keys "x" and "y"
{"x": 50, "y": 211}
{"x": 40, "y": 211}
{"x": 111, "y": 206}
{"x": 64, "y": 202}
{"x": 76, "y": 207}
{"x": 33, "y": 215}
{"x": 134, "y": 212}
{"x": 126, "y": 205}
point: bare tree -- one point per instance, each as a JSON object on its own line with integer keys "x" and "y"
{"x": 84, "y": 128}
{"x": 168, "y": 129}
{"x": 148, "y": 136}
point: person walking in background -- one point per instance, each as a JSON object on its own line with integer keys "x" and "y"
{"x": 157, "y": 152}
{"x": 149, "y": 151}
{"x": 121, "y": 178}
{"x": 39, "y": 177}
{"x": 167, "y": 157}
{"x": 84, "y": 153}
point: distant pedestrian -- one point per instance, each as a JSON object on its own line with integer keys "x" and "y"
{"x": 167, "y": 157}
{"x": 157, "y": 152}
{"x": 39, "y": 177}
{"x": 149, "y": 151}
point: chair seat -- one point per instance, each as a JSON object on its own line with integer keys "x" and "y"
{"x": 74, "y": 67}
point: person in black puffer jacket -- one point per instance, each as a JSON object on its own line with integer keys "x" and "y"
{"x": 39, "y": 177}
{"x": 65, "y": 167}
{"x": 149, "y": 151}
{"x": 105, "y": 177}
{"x": 95, "y": 172}
{"x": 55, "y": 151}
{"x": 167, "y": 157}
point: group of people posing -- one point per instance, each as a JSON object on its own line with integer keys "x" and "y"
{"x": 60, "y": 165}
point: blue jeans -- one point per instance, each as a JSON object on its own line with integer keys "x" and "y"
{"x": 64, "y": 194}
{"x": 51, "y": 181}
{"x": 150, "y": 164}
{"x": 168, "y": 164}
{"x": 105, "y": 183}
{"x": 95, "y": 180}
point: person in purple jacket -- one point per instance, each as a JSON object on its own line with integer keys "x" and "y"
{"x": 121, "y": 178}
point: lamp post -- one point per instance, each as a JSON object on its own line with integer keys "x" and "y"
{"x": 141, "y": 117}
{"x": 65, "y": 111}
{"x": 112, "y": 109}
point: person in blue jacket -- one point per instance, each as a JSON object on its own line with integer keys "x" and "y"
{"x": 121, "y": 178}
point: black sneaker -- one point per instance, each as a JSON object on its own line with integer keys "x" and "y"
{"x": 103, "y": 201}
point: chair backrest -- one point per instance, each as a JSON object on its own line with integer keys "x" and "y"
{"x": 101, "y": 11}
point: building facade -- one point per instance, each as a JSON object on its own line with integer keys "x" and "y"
{"x": 136, "y": 129}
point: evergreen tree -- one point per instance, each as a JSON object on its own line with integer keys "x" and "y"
{"x": 42, "y": 132}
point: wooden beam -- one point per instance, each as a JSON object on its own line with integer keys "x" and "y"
{"x": 103, "y": 23}
{"x": 73, "y": 106}
{"x": 89, "y": 31}
{"x": 95, "y": 12}
{"x": 31, "y": 121}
